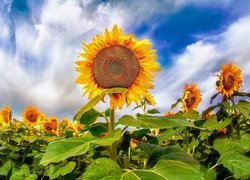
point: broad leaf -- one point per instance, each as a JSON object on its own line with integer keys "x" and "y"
{"x": 169, "y": 133}
{"x": 165, "y": 169}
{"x": 153, "y": 111}
{"x": 23, "y": 174}
{"x": 237, "y": 163}
{"x": 244, "y": 108}
{"x": 225, "y": 145}
{"x": 56, "y": 170}
{"x": 5, "y": 169}
{"x": 90, "y": 117}
{"x": 212, "y": 124}
{"x": 65, "y": 148}
{"x": 194, "y": 115}
{"x": 103, "y": 168}
{"x": 172, "y": 153}
{"x": 160, "y": 122}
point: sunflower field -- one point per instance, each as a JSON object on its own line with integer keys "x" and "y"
{"x": 118, "y": 69}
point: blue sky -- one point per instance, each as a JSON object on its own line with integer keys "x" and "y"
{"x": 39, "y": 42}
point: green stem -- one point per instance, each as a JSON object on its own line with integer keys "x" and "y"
{"x": 237, "y": 129}
{"x": 232, "y": 130}
{"x": 113, "y": 147}
{"x": 187, "y": 140}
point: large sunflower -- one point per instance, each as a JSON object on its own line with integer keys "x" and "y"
{"x": 191, "y": 98}
{"x": 230, "y": 79}
{"x": 117, "y": 60}
{"x": 5, "y": 116}
{"x": 31, "y": 116}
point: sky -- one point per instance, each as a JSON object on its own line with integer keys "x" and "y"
{"x": 40, "y": 41}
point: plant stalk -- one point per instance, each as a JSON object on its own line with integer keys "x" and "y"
{"x": 113, "y": 147}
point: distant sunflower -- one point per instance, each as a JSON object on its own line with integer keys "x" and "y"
{"x": 117, "y": 60}
{"x": 169, "y": 113}
{"x": 31, "y": 116}
{"x": 191, "y": 98}
{"x": 50, "y": 125}
{"x": 230, "y": 79}
{"x": 5, "y": 116}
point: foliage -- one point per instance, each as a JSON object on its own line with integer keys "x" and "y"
{"x": 213, "y": 144}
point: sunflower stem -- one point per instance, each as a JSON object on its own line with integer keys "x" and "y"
{"x": 113, "y": 147}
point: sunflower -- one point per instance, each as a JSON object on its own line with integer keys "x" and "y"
{"x": 230, "y": 79}
{"x": 169, "y": 113}
{"x": 117, "y": 60}
{"x": 50, "y": 125}
{"x": 32, "y": 116}
{"x": 191, "y": 98}
{"x": 5, "y": 116}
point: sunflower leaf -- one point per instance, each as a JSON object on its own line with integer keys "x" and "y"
{"x": 177, "y": 102}
{"x": 146, "y": 121}
{"x": 244, "y": 108}
{"x": 63, "y": 149}
{"x": 213, "y": 97}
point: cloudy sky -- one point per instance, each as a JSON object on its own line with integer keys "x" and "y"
{"x": 40, "y": 40}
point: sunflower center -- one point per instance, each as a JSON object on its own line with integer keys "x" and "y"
{"x": 228, "y": 82}
{"x": 190, "y": 100}
{"x": 32, "y": 117}
{"x": 48, "y": 126}
{"x": 115, "y": 66}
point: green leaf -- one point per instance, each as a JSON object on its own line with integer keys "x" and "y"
{"x": 212, "y": 124}
{"x": 172, "y": 153}
{"x": 236, "y": 93}
{"x": 106, "y": 169}
{"x": 23, "y": 174}
{"x": 225, "y": 145}
{"x": 102, "y": 168}
{"x": 237, "y": 163}
{"x": 65, "y": 148}
{"x": 56, "y": 170}
{"x": 145, "y": 121}
{"x": 5, "y": 169}
{"x": 169, "y": 133}
{"x": 109, "y": 139}
{"x": 140, "y": 133}
{"x": 214, "y": 96}
{"x": 62, "y": 149}
{"x": 153, "y": 111}
{"x": 210, "y": 109}
{"x": 244, "y": 108}
{"x": 192, "y": 115}
{"x": 97, "y": 99}
{"x": 107, "y": 112}
{"x": 177, "y": 102}
{"x": 98, "y": 128}
{"x": 90, "y": 117}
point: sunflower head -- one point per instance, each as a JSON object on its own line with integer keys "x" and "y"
{"x": 17, "y": 125}
{"x": 64, "y": 123}
{"x": 230, "y": 79}
{"x": 50, "y": 125}
{"x": 169, "y": 113}
{"x": 191, "y": 98}
{"x": 32, "y": 116}
{"x": 117, "y": 60}
{"x": 78, "y": 126}
{"x": 5, "y": 116}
